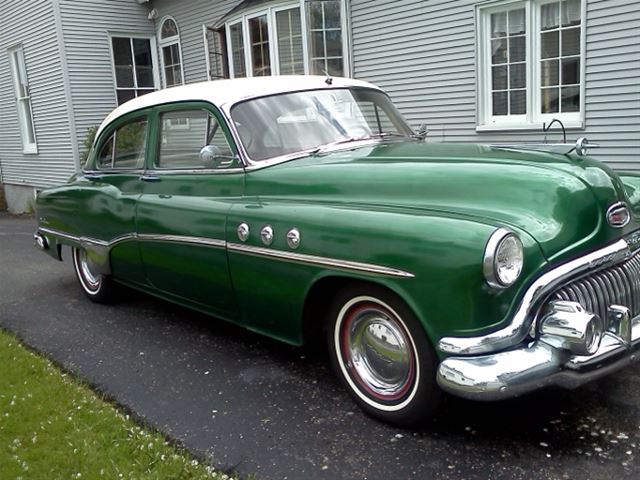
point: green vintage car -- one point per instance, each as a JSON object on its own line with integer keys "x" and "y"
{"x": 302, "y": 207}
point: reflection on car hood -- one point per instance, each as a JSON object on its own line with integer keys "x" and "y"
{"x": 560, "y": 200}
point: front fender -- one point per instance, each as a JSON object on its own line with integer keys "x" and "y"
{"x": 443, "y": 254}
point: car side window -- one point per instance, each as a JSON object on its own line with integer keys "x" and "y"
{"x": 125, "y": 147}
{"x": 203, "y": 145}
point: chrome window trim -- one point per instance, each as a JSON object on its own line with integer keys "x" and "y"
{"x": 246, "y": 249}
{"x": 518, "y": 328}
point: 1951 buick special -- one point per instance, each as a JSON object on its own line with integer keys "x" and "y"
{"x": 303, "y": 206}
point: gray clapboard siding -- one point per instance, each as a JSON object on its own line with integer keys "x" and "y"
{"x": 190, "y": 16}
{"x": 85, "y": 28}
{"x": 37, "y": 33}
{"x": 423, "y": 54}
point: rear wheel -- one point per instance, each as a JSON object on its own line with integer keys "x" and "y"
{"x": 383, "y": 356}
{"x": 99, "y": 288}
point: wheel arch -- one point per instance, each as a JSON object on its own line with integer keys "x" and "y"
{"x": 320, "y": 295}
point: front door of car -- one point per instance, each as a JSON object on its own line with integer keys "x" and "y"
{"x": 192, "y": 179}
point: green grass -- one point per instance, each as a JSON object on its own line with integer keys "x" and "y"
{"x": 54, "y": 427}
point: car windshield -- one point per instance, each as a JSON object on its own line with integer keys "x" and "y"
{"x": 312, "y": 120}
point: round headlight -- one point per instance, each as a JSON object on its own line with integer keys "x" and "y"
{"x": 503, "y": 259}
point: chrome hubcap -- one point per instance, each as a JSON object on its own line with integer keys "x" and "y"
{"x": 378, "y": 352}
{"x": 92, "y": 280}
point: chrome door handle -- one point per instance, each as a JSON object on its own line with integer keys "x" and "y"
{"x": 150, "y": 178}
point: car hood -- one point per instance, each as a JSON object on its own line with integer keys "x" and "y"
{"x": 560, "y": 200}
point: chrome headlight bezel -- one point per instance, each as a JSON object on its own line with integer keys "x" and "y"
{"x": 490, "y": 268}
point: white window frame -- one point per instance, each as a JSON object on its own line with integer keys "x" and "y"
{"x": 271, "y": 11}
{"x": 26, "y": 124}
{"x": 154, "y": 59}
{"x": 167, "y": 42}
{"x": 533, "y": 120}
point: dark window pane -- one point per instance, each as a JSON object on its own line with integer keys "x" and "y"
{"x": 124, "y": 76}
{"x": 498, "y": 51}
{"x": 125, "y": 95}
{"x": 144, "y": 76}
{"x": 549, "y": 73}
{"x": 139, "y": 93}
{"x": 500, "y": 103}
{"x": 518, "y": 102}
{"x": 121, "y": 51}
{"x": 571, "y": 41}
{"x": 550, "y": 44}
{"x": 315, "y": 15}
{"x": 317, "y": 44}
{"x": 517, "y": 23}
{"x": 550, "y": 100}
{"x": 334, "y": 43}
{"x": 168, "y": 29}
{"x": 499, "y": 78}
{"x": 570, "y": 12}
{"x": 498, "y": 25}
{"x": 571, "y": 99}
{"x": 332, "y": 14}
{"x": 123, "y": 62}
{"x": 335, "y": 67}
{"x": 144, "y": 64}
{"x": 168, "y": 76}
{"x": 550, "y": 14}
{"x": 517, "y": 49}
{"x": 517, "y": 75}
{"x": 570, "y": 71}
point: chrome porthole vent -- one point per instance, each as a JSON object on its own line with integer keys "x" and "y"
{"x": 266, "y": 234}
{"x": 243, "y": 232}
{"x": 293, "y": 238}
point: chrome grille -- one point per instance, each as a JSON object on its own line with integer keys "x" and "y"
{"x": 616, "y": 285}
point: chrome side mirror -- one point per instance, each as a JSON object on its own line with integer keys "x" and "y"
{"x": 422, "y": 132}
{"x": 211, "y": 156}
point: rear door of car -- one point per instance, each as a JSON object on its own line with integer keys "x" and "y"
{"x": 193, "y": 177}
{"x": 104, "y": 205}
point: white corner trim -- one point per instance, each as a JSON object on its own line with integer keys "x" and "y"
{"x": 67, "y": 85}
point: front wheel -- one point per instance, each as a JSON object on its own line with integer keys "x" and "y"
{"x": 383, "y": 356}
{"x": 99, "y": 288}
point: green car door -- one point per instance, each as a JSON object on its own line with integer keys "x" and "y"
{"x": 193, "y": 177}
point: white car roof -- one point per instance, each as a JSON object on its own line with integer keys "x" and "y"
{"x": 228, "y": 92}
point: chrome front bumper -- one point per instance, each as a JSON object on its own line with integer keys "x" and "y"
{"x": 535, "y": 365}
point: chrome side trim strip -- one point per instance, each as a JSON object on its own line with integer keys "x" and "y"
{"x": 213, "y": 242}
{"x": 210, "y": 242}
{"x": 322, "y": 261}
{"x": 518, "y": 329}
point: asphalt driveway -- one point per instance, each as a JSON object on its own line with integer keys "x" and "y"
{"x": 256, "y": 406}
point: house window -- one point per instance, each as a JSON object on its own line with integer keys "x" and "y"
{"x": 133, "y": 66}
{"x": 301, "y": 37}
{"x": 530, "y": 64}
{"x": 23, "y": 99}
{"x": 171, "y": 53}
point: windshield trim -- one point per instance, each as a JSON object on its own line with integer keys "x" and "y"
{"x": 251, "y": 164}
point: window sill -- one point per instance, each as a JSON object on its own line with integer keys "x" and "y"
{"x": 30, "y": 150}
{"x": 533, "y": 127}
